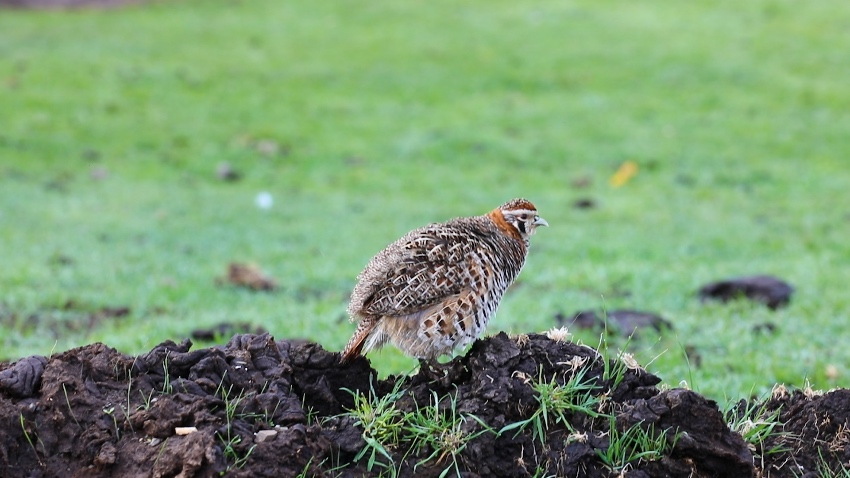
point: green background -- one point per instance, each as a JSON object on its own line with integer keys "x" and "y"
{"x": 366, "y": 120}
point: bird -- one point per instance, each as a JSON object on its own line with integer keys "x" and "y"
{"x": 435, "y": 289}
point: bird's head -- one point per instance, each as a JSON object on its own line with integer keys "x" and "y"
{"x": 522, "y": 216}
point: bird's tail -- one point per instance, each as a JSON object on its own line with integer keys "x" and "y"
{"x": 358, "y": 340}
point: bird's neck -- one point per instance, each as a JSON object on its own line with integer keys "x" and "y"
{"x": 499, "y": 220}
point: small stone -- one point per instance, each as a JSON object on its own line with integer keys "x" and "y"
{"x": 263, "y": 436}
{"x": 584, "y": 203}
{"x": 225, "y": 172}
{"x": 184, "y": 430}
{"x": 106, "y": 455}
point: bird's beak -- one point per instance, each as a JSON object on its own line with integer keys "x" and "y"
{"x": 539, "y": 221}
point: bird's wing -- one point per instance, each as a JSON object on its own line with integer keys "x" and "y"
{"x": 424, "y": 267}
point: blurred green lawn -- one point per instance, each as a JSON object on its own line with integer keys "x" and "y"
{"x": 365, "y": 120}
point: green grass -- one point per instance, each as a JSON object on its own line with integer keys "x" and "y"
{"x": 557, "y": 402}
{"x": 756, "y": 424}
{"x": 635, "y": 444}
{"x": 443, "y": 433}
{"x": 435, "y": 436}
{"x": 383, "y": 426}
{"x": 365, "y": 121}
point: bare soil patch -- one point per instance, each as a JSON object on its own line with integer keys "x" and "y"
{"x": 261, "y": 407}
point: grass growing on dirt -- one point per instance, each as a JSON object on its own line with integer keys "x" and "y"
{"x": 365, "y": 121}
{"x": 633, "y": 445}
{"x": 382, "y": 423}
{"x": 443, "y": 433}
{"x": 231, "y": 439}
{"x": 557, "y": 402}
{"x": 755, "y": 423}
{"x": 824, "y": 470}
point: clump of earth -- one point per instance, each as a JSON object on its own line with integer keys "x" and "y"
{"x": 259, "y": 407}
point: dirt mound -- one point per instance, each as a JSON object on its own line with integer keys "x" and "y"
{"x": 513, "y": 406}
{"x": 771, "y": 291}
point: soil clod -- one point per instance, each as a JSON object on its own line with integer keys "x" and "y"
{"x": 769, "y": 290}
{"x": 626, "y": 322}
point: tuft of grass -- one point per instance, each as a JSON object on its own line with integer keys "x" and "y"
{"x": 146, "y": 400}
{"x": 444, "y": 433}
{"x": 167, "y": 389}
{"x": 633, "y": 445}
{"x": 230, "y": 440}
{"x": 613, "y": 371}
{"x": 235, "y": 458}
{"x": 383, "y": 425}
{"x": 557, "y": 402}
{"x": 756, "y": 424}
{"x": 825, "y": 470}
{"x": 439, "y": 433}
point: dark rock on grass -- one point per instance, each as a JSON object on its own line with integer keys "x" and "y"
{"x": 262, "y": 407}
{"x": 226, "y": 172}
{"x": 764, "y": 328}
{"x": 769, "y": 290}
{"x": 624, "y": 321}
{"x": 584, "y": 203}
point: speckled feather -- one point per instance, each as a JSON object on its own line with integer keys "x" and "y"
{"x": 436, "y": 288}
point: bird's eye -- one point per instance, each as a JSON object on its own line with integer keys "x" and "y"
{"x": 523, "y": 216}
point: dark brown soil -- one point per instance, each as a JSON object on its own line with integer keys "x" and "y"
{"x": 262, "y": 407}
{"x": 771, "y": 291}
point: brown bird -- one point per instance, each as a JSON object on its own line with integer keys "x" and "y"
{"x": 436, "y": 288}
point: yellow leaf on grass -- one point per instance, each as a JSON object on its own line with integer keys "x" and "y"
{"x": 624, "y": 173}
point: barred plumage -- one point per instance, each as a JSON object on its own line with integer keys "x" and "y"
{"x": 436, "y": 288}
